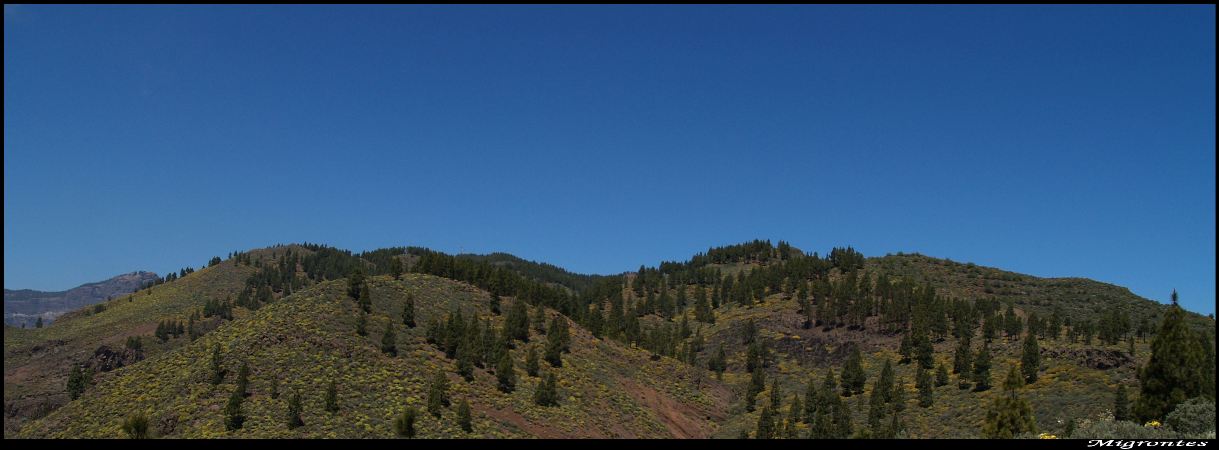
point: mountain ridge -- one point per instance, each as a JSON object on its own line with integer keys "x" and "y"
{"x": 665, "y": 334}
{"x": 25, "y": 306}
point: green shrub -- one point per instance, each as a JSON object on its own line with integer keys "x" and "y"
{"x": 405, "y": 424}
{"x": 136, "y": 426}
{"x": 1194, "y": 416}
{"x": 1109, "y": 429}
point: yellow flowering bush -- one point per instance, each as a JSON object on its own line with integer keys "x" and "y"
{"x": 1047, "y": 436}
{"x": 1152, "y": 424}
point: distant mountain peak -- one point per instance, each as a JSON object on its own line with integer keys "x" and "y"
{"x": 25, "y": 306}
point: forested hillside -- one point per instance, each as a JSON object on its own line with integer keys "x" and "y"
{"x": 752, "y": 340}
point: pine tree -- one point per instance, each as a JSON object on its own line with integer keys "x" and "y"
{"x": 408, "y": 311}
{"x": 828, "y": 387}
{"x": 885, "y": 382}
{"x": 217, "y": 371}
{"x": 895, "y": 427}
{"x": 719, "y": 362}
{"x": 1121, "y": 404}
{"x": 702, "y": 309}
{"x": 464, "y": 420}
{"x": 555, "y": 342}
{"x": 234, "y": 418}
{"x": 876, "y": 406}
{"x": 243, "y": 379}
{"x": 531, "y": 362}
{"x": 465, "y": 362}
{"x": 899, "y": 395}
{"x": 362, "y": 324}
{"x": 294, "y": 411}
{"x": 1207, "y": 342}
{"x": 365, "y": 299}
{"x": 795, "y": 412}
{"x": 435, "y": 333}
{"x": 495, "y": 304}
{"x": 395, "y": 268}
{"x": 517, "y": 322}
{"x": 981, "y": 372}
{"x": 822, "y": 424}
{"x": 776, "y": 396}
{"x": 757, "y": 382}
{"x": 766, "y": 424}
{"x": 274, "y": 388}
{"x": 161, "y": 333}
{"x": 1009, "y": 415}
{"x": 438, "y": 393}
{"x": 941, "y": 376}
{"x": 906, "y": 349}
{"x": 925, "y": 388}
{"x": 789, "y": 429}
{"x": 454, "y": 334}
{"x": 332, "y": 397}
{"x": 812, "y": 398}
{"x": 841, "y": 417}
{"x": 853, "y": 376}
{"x": 38, "y": 323}
{"x": 389, "y": 343}
{"x": 505, "y": 374}
{"x": 923, "y": 350}
{"x": 77, "y": 382}
{"x": 405, "y": 424}
{"x": 1030, "y": 361}
{"x": 546, "y": 393}
{"x": 355, "y": 284}
{"x": 1175, "y": 372}
{"x": 539, "y": 320}
{"x": 962, "y": 360}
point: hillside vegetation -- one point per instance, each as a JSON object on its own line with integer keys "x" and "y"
{"x": 752, "y": 340}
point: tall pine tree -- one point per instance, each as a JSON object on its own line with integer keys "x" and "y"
{"x": 1030, "y": 361}
{"x": 853, "y": 376}
{"x": 1175, "y": 371}
{"x": 981, "y": 372}
{"x": 1009, "y": 415}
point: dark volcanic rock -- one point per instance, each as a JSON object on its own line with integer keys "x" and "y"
{"x": 105, "y": 359}
{"x": 1096, "y": 358}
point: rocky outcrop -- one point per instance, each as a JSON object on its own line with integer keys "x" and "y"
{"x": 105, "y": 358}
{"x": 1095, "y": 358}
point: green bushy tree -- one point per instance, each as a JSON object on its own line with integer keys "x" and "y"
{"x": 1175, "y": 370}
{"x": 1009, "y": 415}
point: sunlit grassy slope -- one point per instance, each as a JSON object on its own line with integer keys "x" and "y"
{"x": 308, "y": 339}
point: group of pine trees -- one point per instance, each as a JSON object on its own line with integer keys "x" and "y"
{"x": 611, "y": 308}
{"x": 1181, "y": 367}
{"x": 167, "y": 329}
{"x": 822, "y": 410}
{"x": 477, "y": 343}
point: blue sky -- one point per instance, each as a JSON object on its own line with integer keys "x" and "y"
{"x": 1054, "y": 141}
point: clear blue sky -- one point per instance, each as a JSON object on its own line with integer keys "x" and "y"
{"x": 1054, "y": 141}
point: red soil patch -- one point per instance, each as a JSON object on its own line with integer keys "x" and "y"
{"x": 682, "y": 420}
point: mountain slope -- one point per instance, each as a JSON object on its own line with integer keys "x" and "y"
{"x": 641, "y": 345}
{"x": 23, "y": 307}
{"x": 308, "y": 339}
{"x": 1079, "y": 298}
{"x": 37, "y": 362}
